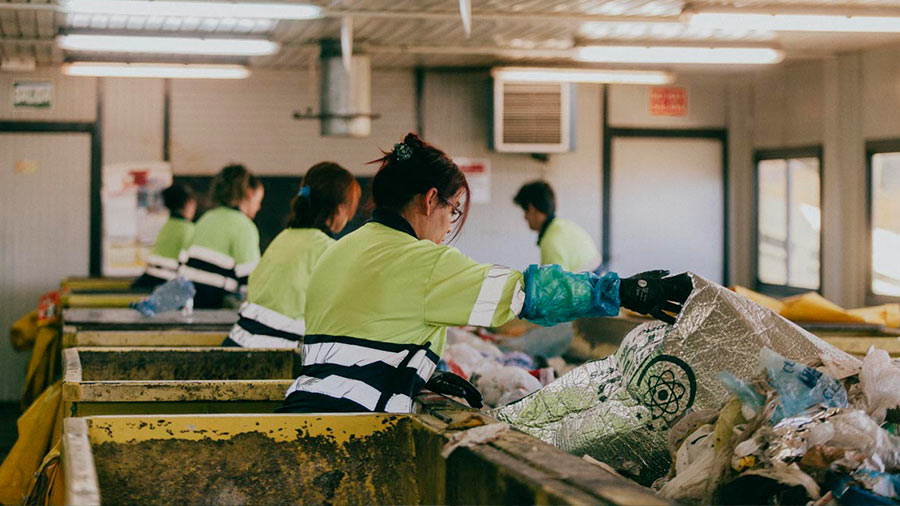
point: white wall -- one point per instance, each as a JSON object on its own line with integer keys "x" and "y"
{"x": 839, "y": 103}
{"x": 251, "y": 121}
{"x": 457, "y": 110}
{"x": 133, "y": 112}
{"x": 629, "y": 105}
{"x": 74, "y": 100}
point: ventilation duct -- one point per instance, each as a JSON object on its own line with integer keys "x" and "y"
{"x": 346, "y": 93}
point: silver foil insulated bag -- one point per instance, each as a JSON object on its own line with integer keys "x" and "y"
{"x": 619, "y": 409}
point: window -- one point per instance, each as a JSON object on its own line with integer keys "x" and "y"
{"x": 884, "y": 219}
{"x": 788, "y": 242}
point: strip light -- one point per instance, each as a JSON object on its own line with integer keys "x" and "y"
{"x": 169, "y": 45}
{"x": 561, "y": 75}
{"x": 675, "y": 54}
{"x": 157, "y": 70}
{"x": 796, "y": 22}
{"x": 244, "y": 10}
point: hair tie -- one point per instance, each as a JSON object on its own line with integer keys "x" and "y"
{"x": 402, "y": 151}
{"x": 304, "y": 192}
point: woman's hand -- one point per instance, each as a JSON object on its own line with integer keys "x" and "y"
{"x": 447, "y": 383}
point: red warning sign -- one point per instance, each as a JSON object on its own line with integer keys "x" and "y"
{"x": 668, "y": 101}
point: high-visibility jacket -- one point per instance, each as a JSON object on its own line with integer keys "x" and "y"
{"x": 566, "y": 244}
{"x": 378, "y": 306}
{"x": 272, "y": 317}
{"x": 162, "y": 264}
{"x": 221, "y": 256}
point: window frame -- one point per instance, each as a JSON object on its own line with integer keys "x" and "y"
{"x": 784, "y": 154}
{"x": 875, "y": 147}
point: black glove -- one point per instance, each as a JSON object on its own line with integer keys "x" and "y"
{"x": 447, "y": 383}
{"x": 654, "y": 293}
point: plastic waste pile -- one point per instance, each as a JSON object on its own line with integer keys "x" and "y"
{"x": 622, "y": 410}
{"x": 501, "y": 377}
{"x": 174, "y": 294}
{"x": 793, "y": 435}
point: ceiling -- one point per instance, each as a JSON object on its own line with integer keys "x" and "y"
{"x": 404, "y": 33}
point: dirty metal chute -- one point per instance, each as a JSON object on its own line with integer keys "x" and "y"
{"x": 346, "y": 93}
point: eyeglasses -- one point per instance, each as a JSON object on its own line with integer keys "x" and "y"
{"x": 455, "y": 210}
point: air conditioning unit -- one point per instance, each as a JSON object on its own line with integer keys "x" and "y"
{"x": 532, "y": 117}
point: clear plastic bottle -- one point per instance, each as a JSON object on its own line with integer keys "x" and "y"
{"x": 169, "y": 296}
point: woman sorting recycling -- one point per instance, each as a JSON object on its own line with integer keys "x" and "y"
{"x": 173, "y": 238}
{"x": 272, "y": 317}
{"x": 380, "y": 300}
{"x": 225, "y": 246}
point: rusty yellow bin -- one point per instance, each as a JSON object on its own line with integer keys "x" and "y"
{"x": 72, "y": 338}
{"x": 78, "y": 284}
{"x": 857, "y": 338}
{"x": 105, "y": 299}
{"x": 90, "y": 319}
{"x": 320, "y": 459}
{"x": 100, "y": 381}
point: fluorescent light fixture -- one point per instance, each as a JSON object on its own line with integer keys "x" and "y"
{"x": 170, "y": 45}
{"x": 157, "y": 70}
{"x": 796, "y": 22}
{"x": 560, "y": 75}
{"x": 678, "y": 54}
{"x": 240, "y": 10}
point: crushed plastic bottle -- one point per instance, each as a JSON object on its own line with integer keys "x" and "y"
{"x": 171, "y": 295}
{"x": 799, "y": 387}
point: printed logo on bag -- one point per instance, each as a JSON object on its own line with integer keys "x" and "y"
{"x": 667, "y": 387}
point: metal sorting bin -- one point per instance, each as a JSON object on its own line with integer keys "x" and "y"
{"x": 101, "y": 381}
{"x": 101, "y": 299}
{"x": 83, "y": 319}
{"x": 856, "y": 338}
{"x": 320, "y": 459}
{"x": 87, "y": 285}
{"x": 72, "y": 338}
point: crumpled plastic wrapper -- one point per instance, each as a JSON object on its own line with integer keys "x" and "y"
{"x": 619, "y": 409}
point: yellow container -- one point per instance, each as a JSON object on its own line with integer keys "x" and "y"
{"x": 100, "y": 299}
{"x": 320, "y": 459}
{"x": 72, "y": 338}
{"x": 85, "y": 285}
{"x": 85, "y": 319}
{"x": 102, "y": 381}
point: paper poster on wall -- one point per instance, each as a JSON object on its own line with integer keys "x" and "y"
{"x": 668, "y": 101}
{"x": 32, "y": 94}
{"x": 478, "y": 174}
{"x": 133, "y": 213}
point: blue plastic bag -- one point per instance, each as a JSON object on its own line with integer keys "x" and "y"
{"x": 553, "y": 295}
{"x": 799, "y": 387}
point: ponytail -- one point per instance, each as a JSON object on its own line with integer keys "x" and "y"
{"x": 412, "y": 168}
{"x": 323, "y": 190}
{"x": 231, "y": 185}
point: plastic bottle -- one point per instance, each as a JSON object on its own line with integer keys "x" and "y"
{"x": 799, "y": 387}
{"x": 171, "y": 295}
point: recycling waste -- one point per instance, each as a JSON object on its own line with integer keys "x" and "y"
{"x": 733, "y": 404}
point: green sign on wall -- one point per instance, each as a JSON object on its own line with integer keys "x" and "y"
{"x": 32, "y": 94}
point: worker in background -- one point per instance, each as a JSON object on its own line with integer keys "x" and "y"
{"x": 561, "y": 241}
{"x": 174, "y": 236}
{"x": 380, "y": 300}
{"x": 225, "y": 246}
{"x": 272, "y": 317}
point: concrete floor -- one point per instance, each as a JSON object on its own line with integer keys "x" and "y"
{"x": 9, "y": 413}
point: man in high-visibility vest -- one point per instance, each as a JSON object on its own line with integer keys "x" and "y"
{"x": 562, "y": 242}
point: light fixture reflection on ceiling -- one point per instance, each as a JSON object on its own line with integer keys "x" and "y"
{"x": 564, "y": 75}
{"x": 245, "y": 10}
{"x": 796, "y": 22}
{"x": 156, "y": 70}
{"x": 169, "y": 45}
{"x": 679, "y": 54}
